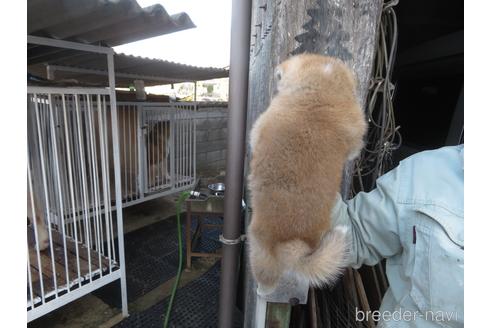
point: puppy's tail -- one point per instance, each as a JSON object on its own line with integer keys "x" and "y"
{"x": 325, "y": 264}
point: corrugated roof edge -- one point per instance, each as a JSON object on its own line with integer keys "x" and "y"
{"x": 172, "y": 62}
{"x": 111, "y": 23}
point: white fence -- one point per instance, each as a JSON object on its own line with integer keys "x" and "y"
{"x": 71, "y": 196}
{"x": 72, "y": 183}
{"x": 158, "y": 149}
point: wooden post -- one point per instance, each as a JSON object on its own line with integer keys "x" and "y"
{"x": 50, "y": 73}
{"x": 345, "y": 29}
{"x": 140, "y": 89}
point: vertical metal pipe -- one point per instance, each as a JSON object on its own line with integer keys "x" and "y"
{"x": 159, "y": 148}
{"x": 58, "y": 183}
{"x": 49, "y": 163}
{"x": 167, "y": 120}
{"x": 71, "y": 183}
{"x": 82, "y": 159}
{"x": 29, "y": 279}
{"x": 104, "y": 172}
{"x": 185, "y": 148}
{"x": 95, "y": 189}
{"x": 194, "y": 91}
{"x": 155, "y": 148}
{"x": 148, "y": 162}
{"x": 136, "y": 128}
{"x": 67, "y": 105}
{"x": 152, "y": 148}
{"x": 34, "y": 223}
{"x": 141, "y": 161}
{"x": 189, "y": 145}
{"x": 178, "y": 156}
{"x": 131, "y": 130}
{"x": 172, "y": 162}
{"x": 117, "y": 183}
{"x": 182, "y": 145}
{"x": 125, "y": 170}
{"x": 106, "y": 126}
{"x": 194, "y": 144}
{"x": 236, "y": 130}
{"x": 47, "y": 205}
{"x": 88, "y": 166}
{"x": 166, "y": 144}
{"x": 185, "y": 145}
{"x": 69, "y": 223}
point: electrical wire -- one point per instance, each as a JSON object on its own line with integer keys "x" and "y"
{"x": 383, "y": 136}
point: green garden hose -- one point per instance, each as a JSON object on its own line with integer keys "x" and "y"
{"x": 179, "y": 204}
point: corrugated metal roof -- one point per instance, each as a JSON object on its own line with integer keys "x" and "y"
{"x": 107, "y": 23}
{"x": 92, "y": 69}
{"x": 99, "y": 22}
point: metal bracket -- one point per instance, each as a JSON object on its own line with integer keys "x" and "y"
{"x": 290, "y": 290}
{"x": 226, "y": 241}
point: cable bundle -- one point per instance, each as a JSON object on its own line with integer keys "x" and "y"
{"x": 383, "y": 135}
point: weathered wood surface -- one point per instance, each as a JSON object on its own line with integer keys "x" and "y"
{"x": 46, "y": 264}
{"x": 281, "y": 28}
{"x": 339, "y": 28}
{"x": 278, "y": 315}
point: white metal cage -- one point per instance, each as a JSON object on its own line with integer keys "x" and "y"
{"x": 71, "y": 179}
{"x": 88, "y": 157}
{"x": 75, "y": 219}
{"x": 158, "y": 149}
{"x": 71, "y": 196}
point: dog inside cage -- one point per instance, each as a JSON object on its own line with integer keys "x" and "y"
{"x": 71, "y": 189}
{"x": 158, "y": 146}
{"x": 70, "y": 220}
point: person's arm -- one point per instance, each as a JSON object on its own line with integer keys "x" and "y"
{"x": 372, "y": 221}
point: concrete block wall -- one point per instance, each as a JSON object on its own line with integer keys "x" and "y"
{"x": 211, "y": 138}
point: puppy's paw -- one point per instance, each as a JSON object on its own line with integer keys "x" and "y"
{"x": 43, "y": 239}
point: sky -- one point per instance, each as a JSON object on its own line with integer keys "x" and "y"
{"x": 206, "y": 45}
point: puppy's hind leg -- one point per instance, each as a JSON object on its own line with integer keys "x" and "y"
{"x": 42, "y": 230}
{"x": 265, "y": 268}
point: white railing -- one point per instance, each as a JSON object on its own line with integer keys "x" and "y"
{"x": 158, "y": 149}
{"x": 72, "y": 199}
{"x": 74, "y": 190}
{"x": 71, "y": 196}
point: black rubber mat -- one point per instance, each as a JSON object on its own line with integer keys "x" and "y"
{"x": 151, "y": 255}
{"x": 195, "y": 306}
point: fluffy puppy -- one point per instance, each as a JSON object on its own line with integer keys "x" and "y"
{"x": 299, "y": 147}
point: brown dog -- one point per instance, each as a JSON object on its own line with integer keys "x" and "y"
{"x": 299, "y": 147}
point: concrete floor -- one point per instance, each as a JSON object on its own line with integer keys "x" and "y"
{"x": 90, "y": 311}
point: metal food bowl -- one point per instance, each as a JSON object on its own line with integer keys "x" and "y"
{"x": 217, "y": 188}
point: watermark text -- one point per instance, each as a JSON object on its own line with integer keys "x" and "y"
{"x": 405, "y": 315}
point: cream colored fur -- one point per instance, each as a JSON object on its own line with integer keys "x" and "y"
{"x": 299, "y": 147}
{"x": 42, "y": 230}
